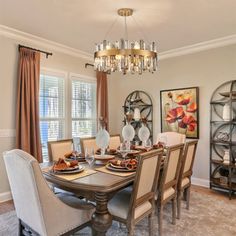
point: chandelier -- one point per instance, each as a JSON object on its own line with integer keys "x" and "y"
{"x": 125, "y": 56}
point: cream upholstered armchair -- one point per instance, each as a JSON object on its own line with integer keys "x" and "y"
{"x": 37, "y": 207}
{"x": 88, "y": 143}
{"x": 184, "y": 182}
{"x": 57, "y": 149}
{"x": 132, "y": 204}
{"x": 167, "y": 190}
{"x": 171, "y": 138}
{"x": 115, "y": 141}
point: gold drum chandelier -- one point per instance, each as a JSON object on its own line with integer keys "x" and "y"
{"x": 125, "y": 56}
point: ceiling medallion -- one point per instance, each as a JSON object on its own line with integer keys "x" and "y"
{"x": 125, "y": 56}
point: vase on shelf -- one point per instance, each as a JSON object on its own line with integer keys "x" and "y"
{"x": 144, "y": 132}
{"x": 102, "y": 137}
{"x": 226, "y": 112}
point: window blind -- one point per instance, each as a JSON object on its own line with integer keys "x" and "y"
{"x": 83, "y": 107}
{"x": 52, "y": 110}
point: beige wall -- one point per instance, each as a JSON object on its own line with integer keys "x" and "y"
{"x": 206, "y": 69}
{"x": 8, "y": 81}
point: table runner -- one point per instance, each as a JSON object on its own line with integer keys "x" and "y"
{"x": 122, "y": 174}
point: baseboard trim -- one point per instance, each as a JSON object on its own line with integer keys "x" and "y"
{"x": 200, "y": 182}
{"x": 5, "y": 196}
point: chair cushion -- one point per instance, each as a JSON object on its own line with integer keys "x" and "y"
{"x": 168, "y": 192}
{"x": 119, "y": 205}
{"x": 184, "y": 182}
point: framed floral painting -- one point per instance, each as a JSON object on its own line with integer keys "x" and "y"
{"x": 180, "y": 111}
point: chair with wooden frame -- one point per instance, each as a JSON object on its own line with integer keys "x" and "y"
{"x": 39, "y": 210}
{"x": 167, "y": 190}
{"x": 57, "y": 149}
{"x": 132, "y": 204}
{"x": 171, "y": 138}
{"x": 88, "y": 143}
{"x": 184, "y": 182}
{"x": 114, "y": 142}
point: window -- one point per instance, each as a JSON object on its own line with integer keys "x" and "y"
{"x": 67, "y": 107}
{"x": 83, "y": 107}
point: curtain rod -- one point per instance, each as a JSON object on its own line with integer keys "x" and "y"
{"x": 88, "y": 64}
{"x": 47, "y": 53}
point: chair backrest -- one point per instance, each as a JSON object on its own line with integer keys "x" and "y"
{"x": 147, "y": 175}
{"x": 88, "y": 143}
{"x": 115, "y": 141}
{"x": 57, "y": 149}
{"x": 188, "y": 158}
{"x": 171, "y": 168}
{"x": 23, "y": 172}
{"x": 171, "y": 138}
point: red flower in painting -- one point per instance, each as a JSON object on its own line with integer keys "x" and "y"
{"x": 183, "y": 99}
{"x": 175, "y": 114}
{"x": 192, "y": 107}
{"x": 189, "y": 122}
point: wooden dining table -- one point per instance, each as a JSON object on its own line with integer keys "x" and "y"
{"x": 98, "y": 187}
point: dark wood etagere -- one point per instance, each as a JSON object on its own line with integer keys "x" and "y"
{"x": 142, "y": 101}
{"x": 223, "y": 138}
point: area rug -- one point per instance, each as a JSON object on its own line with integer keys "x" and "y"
{"x": 208, "y": 216}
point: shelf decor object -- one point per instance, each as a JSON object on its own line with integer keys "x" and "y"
{"x": 180, "y": 111}
{"x": 223, "y": 138}
{"x": 124, "y": 55}
{"x": 142, "y": 101}
{"x": 102, "y": 137}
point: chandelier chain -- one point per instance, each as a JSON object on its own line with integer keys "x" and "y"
{"x": 110, "y": 28}
{"x": 126, "y": 30}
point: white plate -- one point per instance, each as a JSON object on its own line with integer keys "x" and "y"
{"x": 105, "y": 157}
{"x": 70, "y": 170}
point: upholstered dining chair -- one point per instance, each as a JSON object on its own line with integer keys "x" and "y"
{"x": 184, "y": 182}
{"x": 115, "y": 141}
{"x": 171, "y": 138}
{"x": 88, "y": 143}
{"x": 38, "y": 209}
{"x": 57, "y": 149}
{"x": 132, "y": 204}
{"x": 167, "y": 190}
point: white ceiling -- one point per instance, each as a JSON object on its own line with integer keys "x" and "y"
{"x": 80, "y": 24}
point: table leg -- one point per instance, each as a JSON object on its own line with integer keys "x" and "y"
{"x": 101, "y": 219}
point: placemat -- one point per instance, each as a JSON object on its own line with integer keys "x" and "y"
{"x": 122, "y": 174}
{"x": 70, "y": 177}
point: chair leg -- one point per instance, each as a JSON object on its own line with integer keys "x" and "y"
{"x": 150, "y": 223}
{"x": 131, "y": 230}
{"x": 179, "y": 196}
{"x": 187, "y": 197}
{"x": 160, "y": 217}
{"x": 20, "y": 228}
{"x": 174, "y": 211}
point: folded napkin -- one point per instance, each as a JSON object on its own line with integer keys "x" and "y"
{"x": 142, "y": 148}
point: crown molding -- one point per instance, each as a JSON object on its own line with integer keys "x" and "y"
{"x": 44, "y": 43}
{"x": 198, "y": 47}
{"x": 53, "y": 46}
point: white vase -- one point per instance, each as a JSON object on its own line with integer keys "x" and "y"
{"x": 226, "y": 157}
{"x": 226, "y": 112}
{"x": 128, "y": 132}
{"x": 102, "y": 140}
{"x": 144, "y": 134}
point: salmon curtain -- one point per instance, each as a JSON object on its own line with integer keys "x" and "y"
{"x": 102, "y": 97}
{"x": 27, "y": 113}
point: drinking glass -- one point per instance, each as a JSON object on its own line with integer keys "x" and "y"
{"x": 123, "y": 150}
{"x": 89, "y": 155}
{"x": 148, "y": 143}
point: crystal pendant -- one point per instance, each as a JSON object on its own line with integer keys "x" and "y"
{"x": 143, "y": 134}
{"x": 102, "y": 140}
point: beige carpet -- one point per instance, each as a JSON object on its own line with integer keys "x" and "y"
{"x": 208, "y": 216}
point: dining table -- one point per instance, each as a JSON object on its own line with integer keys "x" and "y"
{"x": 99, "y": 186}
